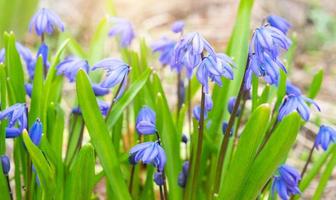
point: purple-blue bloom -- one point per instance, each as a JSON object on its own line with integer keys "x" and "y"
{"x": 35, "y": 132}
{"x": 177, "y": 26}
{"x": 224, "y": 127}
{"x": 325, "y": 137}
{"x": 45, "y": 21}
{"x": 23, "y": 51}
{"x": 29, "y": 89}
{"x": 145, "y": 122}
{"x": 5, "y": 162}
{"x": 116, "y": 69}
{"x": 70, "y": 66}
{"x": 278, "y": 22}
{"x": 99, "y": 90}
{"x": 149, "y": 153}
{"x": 208, "y": 104}
{"x": 16, "y": 115}
{"x": 158, "y": 178}
{"x": 123, "y": 29}
{"x": 183, "y": 175}
{"x": 214, "y": 68}
{"x": 43, "y": 51}
{"x": 295, "y": 101}
{"x": 286, "y": 183}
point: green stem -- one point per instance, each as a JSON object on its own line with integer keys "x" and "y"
{"x": 198, "y": 155}
{"x": 308, "y": 161}
{"x": 29, "y": 178}
{"x": 9, "y": 187}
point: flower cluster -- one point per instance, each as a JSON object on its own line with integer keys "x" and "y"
{"x": 325, "y": 137}
{"x": 149, "y": 152}
{"x": 286, "y": 183}
{"x": 17, "y": 119}
{"x": 268, "y": 41}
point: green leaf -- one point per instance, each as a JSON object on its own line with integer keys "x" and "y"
{"x": 36, "y": 98}
{"x": 271, "y": 156}
{"x": 315, "y": 86}
{"x": 44, "y": 171}
{"x": 264, "y": 95}
{"x": 255, "y": 87}
{"x": 127, "y": 98}
{"x": 14, "y": 68}
{"x": 79, "y": 183}
{"x": 250, "y": 139}
{"x": 98, "y": 40}
{"x": 3, "y": 99}
{"x": 3, "y": 186}
{"x": 325, "y": 177}
{"x": 99, "y": 136}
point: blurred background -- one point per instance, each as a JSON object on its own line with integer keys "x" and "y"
{"x": 314, "y": 29}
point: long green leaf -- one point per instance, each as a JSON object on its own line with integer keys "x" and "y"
{"x": 315, "y": 86}
{"x": 99, "y": 136}
{"x": 44, "y": 171}
{"x": 80, "y": 180}
{"x": 247, "y": 148}
{"x": 271, "y": 156}
{"x": 3, "y": 186}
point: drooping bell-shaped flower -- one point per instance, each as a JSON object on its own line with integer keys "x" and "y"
{"x": 5, "y": 162}
{"x": 214, "y": 68}
{"x": 45, "y": 21}
{"x": 158, "y": 178}
{"x": 145, "y": 122}
{"x": 17, "y": 119}
{"x": 149, "y": 153}
{"x": 165, "y": 47}
{"x": 123, "y": 29}
{"x": 325, "y": 137}
{"x": 70, "y": 66}
{"x": 224, "y": 127}
{"x": 286, "y": 183}
{"x": 116, "y": 69}
{"x": 177, "y": 26}
{"x": 23, "y": 51}
{"x": 183, "y": 175}
{"x": 29, "y": 89}
{"x": 99, "y": 90}
{"x": 279, "y": 23}
{"x": 43, "y": 51}
{"x": 35, "y": 132}
{"x": 295, "y": 101}
{"x": 208, "y": 104}
{"x": 184, "y": 138}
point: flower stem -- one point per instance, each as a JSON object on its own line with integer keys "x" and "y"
{"x": 225, "y": 142}
{"x": 131, "y": 179}
{"x": 179, "y": 93}
{"x": 29, "y": 178}
{"x": 198, "y": 154}
{"x": 163, "y": 196}
{"x": 308, "y": 161}
{"x": 114, "y": 98}
{"x": 189, "y": 106}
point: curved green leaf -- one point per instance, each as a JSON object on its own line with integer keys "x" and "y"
{"x": 99, "y": 136}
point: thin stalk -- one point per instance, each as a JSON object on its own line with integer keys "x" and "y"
{"x": 115, "y": 96}
{"x": 9, "y": 187}
{"x": 163, "y": 196}
{"x": 131, "y": 179}
{"x": 189, "y": 106}
{"x": 29, "y": 177}
{"x": 268, "y": 136}
{"x": 308, "y": 161}
{"x": 225, "y": 142}
{"x": 179, "y": 93}
{"x": 161, "y": 193}
{"x": 198, "y": 154}
{"x": 239, "y": 122}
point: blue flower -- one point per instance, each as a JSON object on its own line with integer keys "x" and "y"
{"x": 70, "y": 66}
{"x": 99, "y": 90}
{"x": 123, "y": 29}
{"x": 295, "y": 101}
{"x": 103, "y": 107}
{"x": 5, "y": 162}
{"x": 166, "y": 48}
{"x": 45, "y": 21}
{"x": 158, "y": 178}
{"x": 214, "y": 68}
{"x": 2, "y": 55}
{"x": 29, "y": 89}
{"x": 145, "y": 122}
{"x": 43, "y": 51}
{"x": 279, "y": 23}
{"x": 231, "y": 104}
{"x": 325, "y": 137}
{"x": 35, "y": 132}
{"x": 177, "y": 26}
{"x": 149, "y": 153}
{"x": 183, "y": 175}
{"x": 269, "y": 40}
{"x": 16, "y": 115}
{"x": 116, "y": 69}
{"x": 286, "y": 184}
